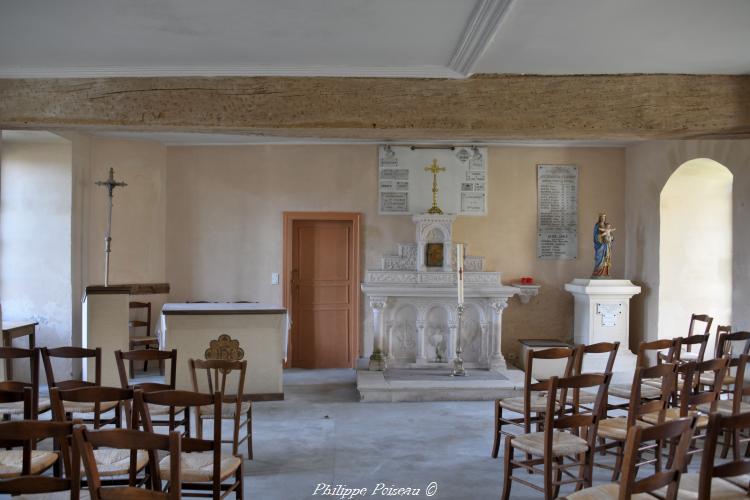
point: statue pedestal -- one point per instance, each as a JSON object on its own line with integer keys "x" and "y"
{"x": 602, "y": 314}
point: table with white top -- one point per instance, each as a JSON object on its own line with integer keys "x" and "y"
{"x": 261, "y": 331}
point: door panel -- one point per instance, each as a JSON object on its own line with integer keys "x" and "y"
{"x": 322, "y": 289}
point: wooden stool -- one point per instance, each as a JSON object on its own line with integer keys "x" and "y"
{"x": 145, "y": 341}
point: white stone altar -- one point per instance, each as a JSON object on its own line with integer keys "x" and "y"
{"x": 602, "y": 314}
{"x": 412, "y": 315}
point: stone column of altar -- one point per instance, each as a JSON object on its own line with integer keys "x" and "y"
{"x": 421, "y": 358}
{"x": 377, "y": 359}
{"x": 497, "y": 361}
{"x": 451, "y": 344}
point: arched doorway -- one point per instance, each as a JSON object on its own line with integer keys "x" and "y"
{"x": 695, "y": 246}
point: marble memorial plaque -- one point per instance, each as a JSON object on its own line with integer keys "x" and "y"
{"x": 557, "y": 212}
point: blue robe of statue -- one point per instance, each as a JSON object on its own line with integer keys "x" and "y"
{"x": 602, "y": 255}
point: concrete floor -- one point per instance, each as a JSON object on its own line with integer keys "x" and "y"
{"x": 321, "y": 433}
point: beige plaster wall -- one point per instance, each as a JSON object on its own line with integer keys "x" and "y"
{"x": 35, "y": 240}
{"x": 649, "y": 166}
{"x": 507, "y": 236}
{"x": 138, "y": 220}
{"x": 225, "y": 205}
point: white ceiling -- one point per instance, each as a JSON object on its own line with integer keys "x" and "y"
{"x": 422, "y": 38}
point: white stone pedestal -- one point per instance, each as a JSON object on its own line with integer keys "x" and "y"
{"x": 105, "y": 324}
{"x": 602, "y": 314}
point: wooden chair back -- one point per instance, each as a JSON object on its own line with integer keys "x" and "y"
{"x": 741, "y": 386}
{"x": 125, "y": 439}
{"x": 48, "y": 354}
{"x": 600, "y": 348}
{"x": 658, "y": 347}
{"x": 14, "y": 392}
{"x": 695, "y": 321}
{"x": 26, "y": 433}
{"x": 726, "y": 340}
{"x": 13, "y": 353}
{"x": 582, "y": 423}
{"x": 88, "y": 394}
{"x": 692, "y": 395}
{"x": 667, "y": 372}
{"x": 137, "y": 323}
{"x": 680, "y": 430}
{"x": 147, "y": 355}
{"x": 721, "y": 329}
{"x": 701, "y": 341}
{"x": 738, "y": 466}
{"x": 194, "y": 400}
{"x": 217, "y": 372}
{"x": 566, "y": 354}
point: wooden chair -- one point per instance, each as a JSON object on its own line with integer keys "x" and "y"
{"x": 725, "y": 347}
{"x": 151, "y": 355}
{"x": 666, "y": 347}
{"x": 695, "y": 321}
{"x": 735, "y": 405}
{"x": 692, "y": 397}
{"x": 614, "y": 430}
{"x": 722, "y": 481}
{"x": 665, "y": 481}
{"x": 39, "y": 405}
{"x": 89, "y": 442}
{"x": 203, "y": 465}
{"x": 235, "y": 405}
{"x": 609, "y": 348}
{"x": 720, "y": 329}
{"x": 111, "y": 463}
{"x": 81, "y": 408}
{"x": 533, "y": 403}
{"x": 25, "y": 477}
{"x": 146, "y": 341}
{"x": 570, "y": 437}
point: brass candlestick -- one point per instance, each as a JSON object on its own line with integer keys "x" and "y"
{"x": 458, "y": 363}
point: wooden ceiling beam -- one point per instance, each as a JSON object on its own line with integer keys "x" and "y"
{"x": 484, "y": 107}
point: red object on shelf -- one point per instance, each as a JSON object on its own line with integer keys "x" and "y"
{"x": 527, "y": 280}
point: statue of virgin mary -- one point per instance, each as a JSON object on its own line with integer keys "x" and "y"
{"x": 602, "y": 247}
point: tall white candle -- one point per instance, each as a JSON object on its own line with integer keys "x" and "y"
{"x": 460, "y": 271}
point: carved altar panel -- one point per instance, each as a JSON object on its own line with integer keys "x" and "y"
{"x": 436, "y": 334}
{"x": 404, "y": 334}
{"x": 471, "y": 335}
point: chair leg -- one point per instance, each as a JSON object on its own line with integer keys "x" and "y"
{"x": 118, "y": 416}
{"x": 239, "y": 492}
{"x": 161, "y": 367}
{"x": 725, "y": 446}
{"x": 618, "y": 462}
{"x": 131, "y": 368}
{"x": 558, "y": 477}
{"x": 187, "y": 421}
{"x": 198, "y": 425}
{"x": 498, "y": 428}
{"x": 507, "y": 470}
{"x": 250, "y": 433}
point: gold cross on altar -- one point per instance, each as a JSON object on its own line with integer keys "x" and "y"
{"x": 434, "y": 169}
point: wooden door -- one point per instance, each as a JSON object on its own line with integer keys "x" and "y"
{"x": 323, "y": 285}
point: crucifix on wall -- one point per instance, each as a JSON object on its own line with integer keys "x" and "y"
{"x": 110, "y": 184}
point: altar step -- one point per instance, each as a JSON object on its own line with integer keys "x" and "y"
{"x": 430, "y": 384}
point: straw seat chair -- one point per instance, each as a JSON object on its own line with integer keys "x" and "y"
{"x": 665, "y": 482}
{"x": 203, "y": 464}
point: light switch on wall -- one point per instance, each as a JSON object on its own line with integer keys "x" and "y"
{"x": 274, "y": 278}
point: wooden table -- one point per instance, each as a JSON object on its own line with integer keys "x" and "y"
{"x": 14, "y": 330}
